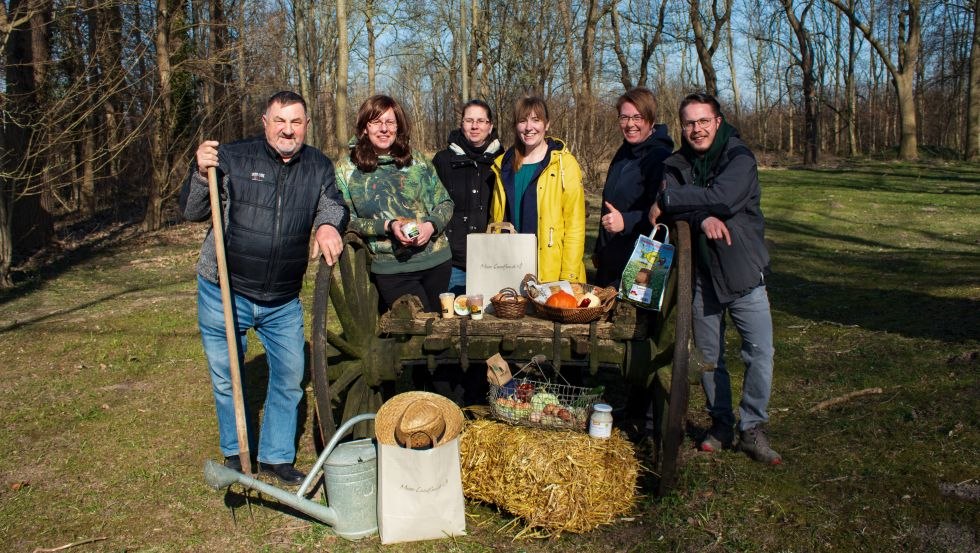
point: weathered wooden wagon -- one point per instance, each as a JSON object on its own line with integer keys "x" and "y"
{"x": 362, "y": 353}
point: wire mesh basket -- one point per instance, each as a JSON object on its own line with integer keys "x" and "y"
{"x": 530, "y": 399}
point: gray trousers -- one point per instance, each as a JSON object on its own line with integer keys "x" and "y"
{"x": 752, "y": 319}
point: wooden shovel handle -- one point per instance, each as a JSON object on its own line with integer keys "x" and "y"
{"x": 231, "y": 334}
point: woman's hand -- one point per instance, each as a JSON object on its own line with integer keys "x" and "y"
{"x": 613, "y": 220}
{"x": 426, "y": 230}
{"x": 396, "y": 231}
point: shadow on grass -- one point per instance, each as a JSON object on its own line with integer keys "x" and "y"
{"x": 64, "y": 260}
{"x": 901, "y": 312}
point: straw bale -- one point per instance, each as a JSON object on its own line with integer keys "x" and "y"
{"x": 559, "y": 481}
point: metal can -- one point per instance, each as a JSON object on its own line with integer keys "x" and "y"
{"x": 410, "y": 229}
{"x": 600, "y": 424}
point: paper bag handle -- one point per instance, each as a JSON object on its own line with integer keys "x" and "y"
{"x": 501, "y": 227}
{"x": 653, "y": 233}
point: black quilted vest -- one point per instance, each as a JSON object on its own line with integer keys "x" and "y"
{"x": 270, "y": 215}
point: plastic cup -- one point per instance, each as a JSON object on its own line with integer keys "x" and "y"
{"x": 475, "y": 303}
{"x": 446, "y": 300}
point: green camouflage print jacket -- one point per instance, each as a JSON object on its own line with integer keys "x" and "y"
{"x": 389, "y": 193}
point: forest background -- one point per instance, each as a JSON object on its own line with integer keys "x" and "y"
{"x": 102, "y": 102}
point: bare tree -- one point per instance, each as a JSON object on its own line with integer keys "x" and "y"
{"x": 902, "y": 69}
{"x": 25, "y": 222}
{"x": 649, "y": 37}
{"x": 973, "y": 118}
{"x": 706, "y": 46}
{"x": 804, "y": 57}
{"x": 341, "y": 87}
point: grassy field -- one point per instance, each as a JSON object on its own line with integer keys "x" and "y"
{"x": 108, "y": 415}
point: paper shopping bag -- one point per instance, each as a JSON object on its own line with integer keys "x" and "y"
{"x": 495, "y": 261}
{"x": 420, "y": 493}
{"x": 645, "y": 275}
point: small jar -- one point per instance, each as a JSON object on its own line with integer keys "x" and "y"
{"x": 410, "y": 229}
{"x": 600, "y": 424}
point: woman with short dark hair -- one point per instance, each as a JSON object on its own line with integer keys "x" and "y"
{"x": 632, "y": 182}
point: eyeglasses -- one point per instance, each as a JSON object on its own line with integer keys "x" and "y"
{"x": 477, "y": 122}
{"x": 627, "y": 119}
{"x": 378, "y": 123}
{"x": 700, "y": 123}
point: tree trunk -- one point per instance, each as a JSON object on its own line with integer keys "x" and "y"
{"x": 464, "y": 54}
{"x": 160, "y": 134}
{"x": 973, "y": 115}
{"x": 300, "y": 12}
{"x": 6, "y": 243}
{"x": 909, "y": 39}
{"x": 908, "y": 148}
{"x": 850, "y": 86}
{"x": 736, "y": 94}
{"x": 28, "y": 225}
{"x": 372, "y": 61}
{"x": 811, "y": 122}
{"x": 705, "y": 48}
{"x": 341, "y": 95}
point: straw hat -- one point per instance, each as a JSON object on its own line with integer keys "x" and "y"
{"x": 418, "y": 420}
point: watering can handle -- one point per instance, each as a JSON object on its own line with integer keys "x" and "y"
{"x": 340, "y": 433}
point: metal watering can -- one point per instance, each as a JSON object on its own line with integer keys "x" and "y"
{"x": 350, "y": 475}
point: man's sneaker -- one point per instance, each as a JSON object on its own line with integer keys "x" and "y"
{"x": 755, "y": 443}
{"x": 285, "y": 472}
{"x": 720, "y": 436}
{"x": 233, "y": 462}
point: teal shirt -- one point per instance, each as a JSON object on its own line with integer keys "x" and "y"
{"x": 521, "y": 180}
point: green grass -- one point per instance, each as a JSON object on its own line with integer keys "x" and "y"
{"x": 108, "y": 416}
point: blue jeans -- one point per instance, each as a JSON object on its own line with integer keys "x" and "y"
{"x": 752, "y": 319}
{"x": 457, "y": 281}
{"x": 280, "y": 329}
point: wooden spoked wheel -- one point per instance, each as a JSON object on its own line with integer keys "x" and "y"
{"x": 679, "y": 384}
{"x": 349, "y": 359}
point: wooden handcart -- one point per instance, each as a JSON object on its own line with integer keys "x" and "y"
{"x": 359, "y": 353}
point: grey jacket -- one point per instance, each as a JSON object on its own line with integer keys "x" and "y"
{"x": 733, "y": 195}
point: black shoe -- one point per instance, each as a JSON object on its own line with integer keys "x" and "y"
{"x": 233, "y": 462}
{"x": 285, "y": 472}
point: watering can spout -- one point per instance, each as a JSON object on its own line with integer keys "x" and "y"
{"x": 218, "y": 476}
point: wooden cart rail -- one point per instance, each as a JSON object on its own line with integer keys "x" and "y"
{"x": 364, "y": 350}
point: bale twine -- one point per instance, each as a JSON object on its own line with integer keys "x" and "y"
{"x": 554, "y": 480}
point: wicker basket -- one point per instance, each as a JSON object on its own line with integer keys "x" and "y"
{"x": 529, "y": 399}
{"x": 607, "y": 297}
{"x": 509, "y": 304}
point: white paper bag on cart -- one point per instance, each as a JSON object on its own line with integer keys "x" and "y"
{"x": 645, "y": 275}
{"x": 497, "y": 260}
{"x": 420, "y": 493}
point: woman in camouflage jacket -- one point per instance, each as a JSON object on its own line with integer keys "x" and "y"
{"x": 397, "y": 204}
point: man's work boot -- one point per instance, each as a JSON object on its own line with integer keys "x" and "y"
{"x": 755, "y": 443}
{"x": 720, "y": 436}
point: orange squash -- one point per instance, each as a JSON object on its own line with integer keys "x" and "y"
{"x": 562, "y": 299}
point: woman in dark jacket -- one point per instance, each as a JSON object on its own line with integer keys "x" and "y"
{"x": 465, "y": 169}
{"x": 632, "y": 182}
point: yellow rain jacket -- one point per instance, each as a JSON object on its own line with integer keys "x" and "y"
{"x": 560, "y": 212}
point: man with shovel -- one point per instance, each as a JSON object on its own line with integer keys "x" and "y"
{"x": 274, "y": 191}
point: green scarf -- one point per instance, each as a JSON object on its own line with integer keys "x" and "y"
{"x": 701, "y": 166}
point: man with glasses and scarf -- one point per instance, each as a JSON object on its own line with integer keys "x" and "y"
{"x": 712, "y": 182}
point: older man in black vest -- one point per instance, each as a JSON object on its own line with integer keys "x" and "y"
{"x": 274, "y": 191}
